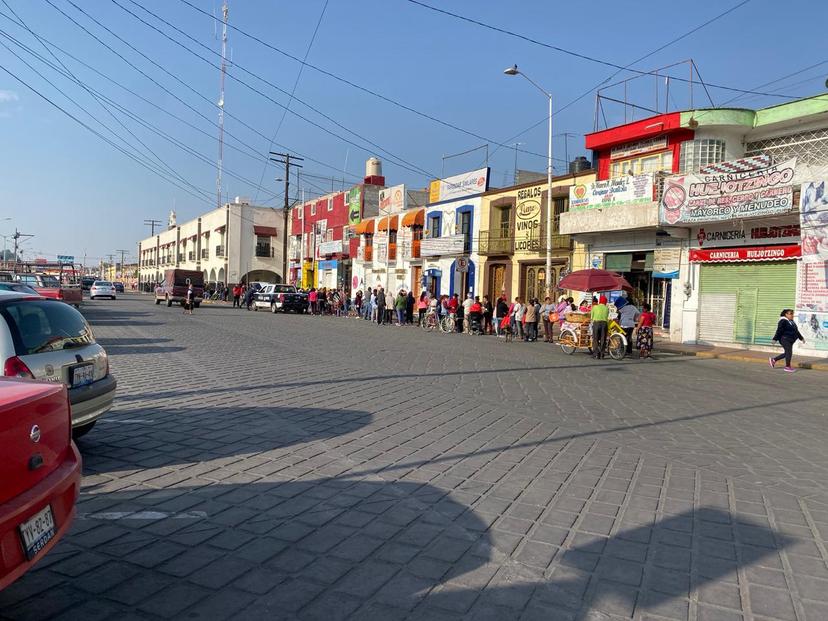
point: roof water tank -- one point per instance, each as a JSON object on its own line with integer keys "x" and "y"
{"x": 373, "y": 167}
{"x": 579, "y": 164}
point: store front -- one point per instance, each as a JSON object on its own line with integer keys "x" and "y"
{"x": 308, "y": 275}
{"x": 327, "y": 273}
{"x": 742, "y": 290}
{"x": 431, "y": 281}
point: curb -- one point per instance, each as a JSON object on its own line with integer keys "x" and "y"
{"x": 740, "y": 357}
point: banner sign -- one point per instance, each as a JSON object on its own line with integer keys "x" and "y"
{"x": 813, "y": 216}
{"x": 714, "y": 236}
{"x": 66, "y": 258}
{"x": 814, "y": 328}
{"x": 812, "y": 287}
{"x": 697, "y": 198}
{"x": 354, "y": 204}
{"x": 327, "y": 265}
{"x": 330, "y": 247}
{"x": 458, "y": 186}
{"x": 392, "y": 200}
{"x": 666, "y": 262}
{"x": 436, "y": 246}
{"x": 754, "y": 253}
{"x": 617, "y": 192}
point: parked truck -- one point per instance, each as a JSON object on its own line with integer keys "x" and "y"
{"x": 53, "y": 287}
{"x": 175, "y": 285}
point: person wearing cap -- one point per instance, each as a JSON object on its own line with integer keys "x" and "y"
{"x": 600, "y": 317}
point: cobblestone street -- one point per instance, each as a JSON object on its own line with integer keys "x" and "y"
{"x": 261, "y": 466}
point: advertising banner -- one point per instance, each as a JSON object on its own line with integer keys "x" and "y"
{"x": 666, "y": 262}
{"x": 436, "y": 246}
{"x": 458, "y": 186}
{"x": 721, "y": 235}
{"x": 626, "y": 190}
{"x": 354, "y": 204}
{"x": 392, "y": 200}
{"x": 330, "y": 247}
{"x": 751, "y": 253}
{"x": 814, "y": 328}
{"x": 812, "y": 287}
{"x": 813, "y": 217}
{"x": 528, "y": 219}
{"x": 699, "y": 198}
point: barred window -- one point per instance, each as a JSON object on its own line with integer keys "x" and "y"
{"x": 696, "y": 154}
{"x": 809, "y": 147}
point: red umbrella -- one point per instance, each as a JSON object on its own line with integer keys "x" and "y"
{"x": 594, "y": 280}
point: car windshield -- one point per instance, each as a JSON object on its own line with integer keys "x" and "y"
{"x": 45, "y": 325}
{"x": 284, "y": 288}
{"x": 50, "y": 281}
{"x": 102, "y": 283}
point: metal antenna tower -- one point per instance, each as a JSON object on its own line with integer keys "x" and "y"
{"x": 224, "y": 12}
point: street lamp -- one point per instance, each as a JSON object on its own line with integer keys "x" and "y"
{"x": 513, "y": 70}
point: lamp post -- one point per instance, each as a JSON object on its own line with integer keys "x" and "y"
{"x": 513, "y": 70}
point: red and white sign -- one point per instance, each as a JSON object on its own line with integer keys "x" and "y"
{"x": 750, "y": 253}
{"x": 748, "y": 233}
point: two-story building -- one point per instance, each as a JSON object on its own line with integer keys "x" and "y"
{"x": 237, "y": 243}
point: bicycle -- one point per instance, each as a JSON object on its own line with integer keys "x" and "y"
{"x": 352, "y": 311}
{"x": 430, "y": 322}
{"x": 448, "y": 323}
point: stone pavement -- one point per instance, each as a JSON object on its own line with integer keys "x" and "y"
{"x": 293, "y": 467}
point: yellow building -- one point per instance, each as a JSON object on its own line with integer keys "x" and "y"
{"x": 513, "y": 236}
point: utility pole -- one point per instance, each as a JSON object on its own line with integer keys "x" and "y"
{"x": 286, "y": 159}
{"x": 152, "y": 224}
{"x": 17, "y": 235}
{"x": 123, "y": 252}
{"x": 109, "y": 267}
{"x": 225, "y": 10}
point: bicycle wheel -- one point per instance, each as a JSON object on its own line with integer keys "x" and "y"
{"x": 568, "y": 342}
{"x": 617, "y": 346}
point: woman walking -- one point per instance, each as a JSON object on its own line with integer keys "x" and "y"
{"x": 644, "y": 339}
{"x": 422, "y": 307}
{"x": 787, "y": 333}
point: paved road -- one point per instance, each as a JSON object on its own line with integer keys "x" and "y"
{"x": 286, "y": 467}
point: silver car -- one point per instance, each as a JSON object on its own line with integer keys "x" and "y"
{"x": 102, "y": 289}
{"x": 48, "y": 340}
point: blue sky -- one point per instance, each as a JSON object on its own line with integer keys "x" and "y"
{"x": 79, "y": 195}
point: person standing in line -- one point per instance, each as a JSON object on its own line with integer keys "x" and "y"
{"x": 422, "y": 307}
{"x": 518, "y": 311}
{"x": 409, "y": 308}
{"x": 358, "y": 303}
{"x": 380, "y": 305}
{"x": 371, "y": 315}
{"x": 488, "y": 311}
{"x": 313, "y": 300}
{"x": 400, "y": 305}
{"x": 530, "y": 315}
{"x": 600, "y": 318}
{"x": 545, "y": 311}
{"x": 787, "y": 333}
{"x": 644, "y": 337}
{"x": 501, "y": 312}
{"x": 464, "y": 310}
{"x": 627, "y": 318}
{"x": 236, "y": 295}
{"x": 537, "y": 318}
{"x": 189, "y": 300}
{"x": 389, "y": 307}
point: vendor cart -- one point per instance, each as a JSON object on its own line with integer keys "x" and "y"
{"x": 576, "y": 333}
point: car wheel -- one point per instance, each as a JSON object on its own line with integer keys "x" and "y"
{"x": 273, "y": 308}
{"x": 157, "y": 301}
{"x": 169, "y": 302}
{"x": 77, "y": 432}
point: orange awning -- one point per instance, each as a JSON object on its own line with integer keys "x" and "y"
{"x": 389, "y": 222}
{"x": 415, "y": 217}
{"x": 366, "y": 227}
{"x": 264, "y": 231}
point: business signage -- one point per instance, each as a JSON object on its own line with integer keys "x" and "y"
{"x": 721, "y": 235}
{"x": 617, "y": 192}
{"x": 327, "y": 265}
{"x": 330, "y": 247}
{"x": 436, "y": 246}
{"x": 380, "y": 248}
{"x": 754, "y": 253}
{"x": 813, "y": 215}
{"x": 698, "y": 198}
{"x": 458, "y": 186}
{"x": 666, "y": 262}
{"x": 392, "y": 200}
{"x": 354, "y": 205}
{"x": 637, "y": 148}
{"x": 65, "y": 258}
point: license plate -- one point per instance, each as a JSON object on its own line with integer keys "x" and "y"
{"x": 83, "y": 374}
{"x": 37, "y": 532}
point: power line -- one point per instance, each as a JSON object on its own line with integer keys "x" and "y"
{"x": 292, "y": 92}
{"x": 152, "y": 224}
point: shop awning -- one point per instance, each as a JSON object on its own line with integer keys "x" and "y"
{"x": 415, "y": 217}
{"x": 264, "y": 230}
{"x": 366, "y": 227}
{"x": 746, "y": 254}
{"x": 389, "y": 222}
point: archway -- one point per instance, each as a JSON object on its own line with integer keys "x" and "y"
{"x": 267, "y": 276}
{"x": 213, "y": 275}
{"x": 221, "y": 276}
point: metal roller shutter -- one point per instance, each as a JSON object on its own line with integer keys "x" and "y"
{"x": 741, "y": 302}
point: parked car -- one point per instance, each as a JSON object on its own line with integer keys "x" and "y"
{"x": 46, "y": 339}
{"x": 40, "y": 473}
{"x": 19, "y": 287}
{"x": 6, "y": 277}
{"x": 281, "y": 297}
{"x": 119, "y": 287}
{"x": 102, "y": 289}
{"x": 174, "y": 287}
{"x": 50, "y": 287}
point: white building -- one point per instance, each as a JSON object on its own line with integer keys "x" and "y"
{"x": 235, "y": 243}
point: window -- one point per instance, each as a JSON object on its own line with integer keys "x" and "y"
{"x": 696, "y": 154}
{"x": 346, "y": 233}
{"x": 434, "y": 226}
{"x": 263, "y": 246}
{"x": 313, "y": 209}
{"x": 330, "y": 204}
{"x": 300, "y": 212}
{"x": 645, "y": 164}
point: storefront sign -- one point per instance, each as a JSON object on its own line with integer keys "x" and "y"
{"x": 392, "y": 200}
{"x": 621, "y": 191}
{"x": 814, "y": 328}
{"x": 327, "y": 265}
{"x": 666, "y": 262}
{"x": 714, "y": 236}
{"x": 458, "y": 186}
{"x": 528, "y": 219}
{"x": 354, "y": 204}
{"x": 813, "y": 214}
{"x": 701, "y": 198}
{"x": 639, "y": 147}
{"x": 330, "y": 247}
{"x": 755, "y": 253}
{"x": 812, "y": 287}
{"x": 436, "y": 246}
{"x": 381, "y": 248}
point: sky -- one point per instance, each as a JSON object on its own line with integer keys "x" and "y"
{"x": 80, "y": 193}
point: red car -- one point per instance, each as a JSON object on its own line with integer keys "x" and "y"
{"x": 40, "y": 473}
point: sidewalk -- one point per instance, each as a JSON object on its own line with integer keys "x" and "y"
{"x": 741, "y": 355}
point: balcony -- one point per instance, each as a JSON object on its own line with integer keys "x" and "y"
{"x": 264, "y": 251}
{"x": 220, "y": 251}
{"x": 536, "y": 241}
{"x": 415, "y": 249}
{"x": 366, "y": 253}
{"x": 205, "y": 253}
{"x": 498, "y": 241}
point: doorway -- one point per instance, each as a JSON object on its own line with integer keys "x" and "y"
{"x": 497, "y": 281}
